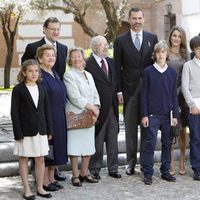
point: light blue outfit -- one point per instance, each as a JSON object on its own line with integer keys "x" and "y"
{"x": 81, "y": 90}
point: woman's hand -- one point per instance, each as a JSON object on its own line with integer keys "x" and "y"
{"x": 94, "y": 119}
{"x": 145, "y": 122}
{"x": 94, "y": 109}
{"x": 174, "y": 121}
{"x": 49, "y": 137}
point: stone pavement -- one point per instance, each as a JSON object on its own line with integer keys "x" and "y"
{"x": 127, "y": 188}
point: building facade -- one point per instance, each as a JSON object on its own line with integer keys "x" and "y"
{"x": 160, "y": 17}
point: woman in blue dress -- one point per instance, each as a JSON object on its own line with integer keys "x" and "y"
{"x": 46, "y": 55}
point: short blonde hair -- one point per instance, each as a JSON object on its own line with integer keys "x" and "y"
{"x": 78, "y": 49}
{"x": 40, "y": 50}
{"x": 161, "y": 45}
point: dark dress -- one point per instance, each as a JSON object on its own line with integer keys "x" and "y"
{"x": 57, "y": 98}
{"x": 176, "y": 61}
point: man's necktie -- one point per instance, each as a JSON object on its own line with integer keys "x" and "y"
{"x": 103, "y": 67}
{"x": 137, "y": 42}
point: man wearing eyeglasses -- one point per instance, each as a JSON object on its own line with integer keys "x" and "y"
{"x": 51, "y": 30}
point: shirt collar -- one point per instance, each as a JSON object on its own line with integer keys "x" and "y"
{"x": 98, "y": 59}
{"x": 48, "y": 42}
{"x": 159, "y": 68}
{"x": 197, "y": 61}
{"x": 133, "y": 33}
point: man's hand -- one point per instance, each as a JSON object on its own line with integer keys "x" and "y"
{"x": 194, "y": 110}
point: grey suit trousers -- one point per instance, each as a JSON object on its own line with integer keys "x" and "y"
{"x": 107, "y": 134}
{"x": 131, "y": 120}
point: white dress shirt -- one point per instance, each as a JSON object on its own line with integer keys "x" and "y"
{"x": 133, "y": 36}
{"x": 98, "y": 59}
{"x": 159, "y": 68}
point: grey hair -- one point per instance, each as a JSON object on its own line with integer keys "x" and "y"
{"x": 95, "y": 41}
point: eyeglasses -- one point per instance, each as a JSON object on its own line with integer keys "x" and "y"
{"x": 54, "y": 29}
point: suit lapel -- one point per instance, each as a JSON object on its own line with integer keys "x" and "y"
{"x": 146, "y": 43}
{"x": 97, "y": 69}
{"x": 130, "y": 43}
{"x": 40, "y": 89}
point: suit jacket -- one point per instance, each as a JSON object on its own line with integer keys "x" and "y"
{"x": 130, "y": 63}
{"x": 28, "y": 120}
{"x": 60, "y": 64}
{"x": 106, "y": 87}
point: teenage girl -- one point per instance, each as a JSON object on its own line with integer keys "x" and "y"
{"x": 32, "y": 126}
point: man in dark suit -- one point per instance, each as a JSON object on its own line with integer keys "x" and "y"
{"x": 51, "y": 30}
{"x": 103, "y": 71}
{"x": 132, "y": 53}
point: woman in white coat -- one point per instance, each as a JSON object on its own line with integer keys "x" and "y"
{"x": 82, "y": 95}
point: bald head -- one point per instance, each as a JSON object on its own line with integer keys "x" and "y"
{"x": 99, "y": 46}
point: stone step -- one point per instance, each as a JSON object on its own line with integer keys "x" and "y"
{"x": 6, "y": 148}
{"x": 9, "y": 163}
{"x": 12, "y": 168}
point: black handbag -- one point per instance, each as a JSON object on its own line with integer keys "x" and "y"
{"x": 174, "y": 133}
{"x": 50, "y": 155}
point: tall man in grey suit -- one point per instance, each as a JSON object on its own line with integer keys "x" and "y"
{"x": 103, "y": 71}
{"x": 51, "y": 30}
{"x": 132, "y": 53}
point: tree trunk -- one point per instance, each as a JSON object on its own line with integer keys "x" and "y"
{"x": 7, "y": 69}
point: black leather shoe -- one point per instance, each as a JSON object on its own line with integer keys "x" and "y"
{"x": 130, "y": 170}
{"x": 51, "y": 187}
{"x": 115, "y": 175}
{"x": 47, "y": 195}
{"x": 59, "y": 177}
{"x": 76, "y": 182}
{"x": 88, "y": 179}
{"x": 196, "y": 176}
{"x": 31, "y": 197}
{"x": 168, "y": 177}
{"x": 96, "y": 176}
{"x": 148, "y": 180}
{"x": 58, "y": 185}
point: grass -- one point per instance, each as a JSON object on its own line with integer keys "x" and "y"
{"x": 6, "y": 90}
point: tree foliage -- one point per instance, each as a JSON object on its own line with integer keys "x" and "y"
{"x": 10, "y": 13}
{"x": 114, "y": 13}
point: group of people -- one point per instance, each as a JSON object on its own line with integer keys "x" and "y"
{"x": 151, "y": 89}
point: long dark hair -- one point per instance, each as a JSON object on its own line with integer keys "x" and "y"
{"x": 183, "y": 45}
